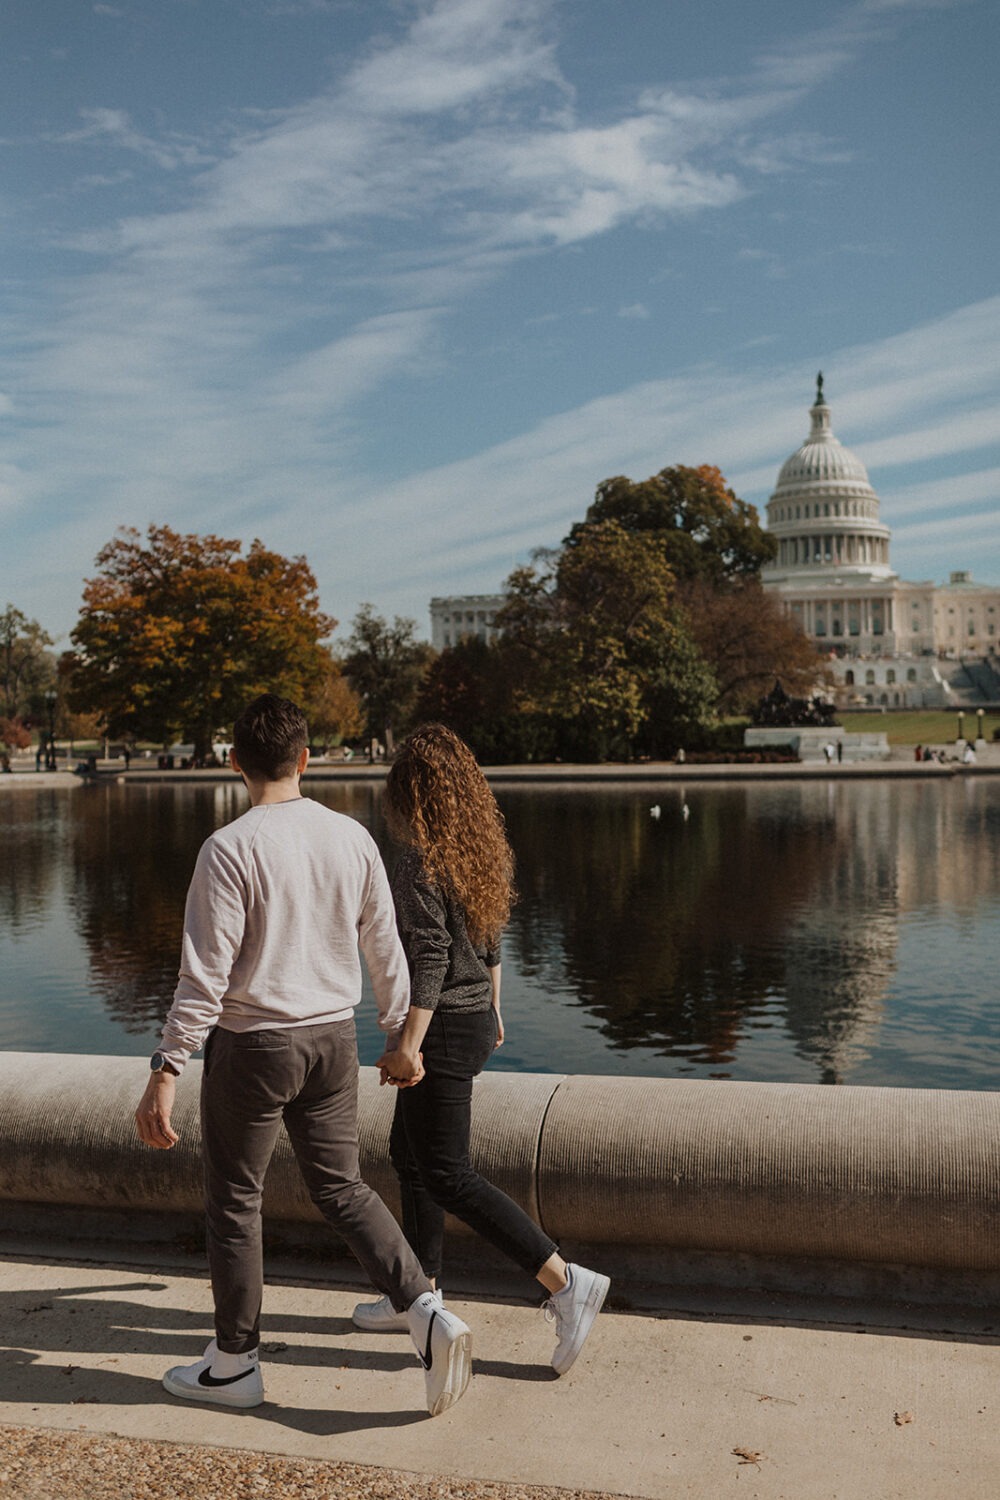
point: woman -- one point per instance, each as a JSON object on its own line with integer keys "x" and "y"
{"x": 453, "y": 888}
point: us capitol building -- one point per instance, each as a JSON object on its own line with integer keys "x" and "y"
{"x": 887, "y": 641}
{"x": 884, "y": 641}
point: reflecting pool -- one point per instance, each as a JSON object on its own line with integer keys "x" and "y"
{"x": 814, "y": 932}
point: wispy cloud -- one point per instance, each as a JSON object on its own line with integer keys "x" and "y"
{"x": 461, "y": 139}
{"x": 209, "y": 358}
{"x": 981, "y": 486}
{"x": 113, "y": 127}
{"x": 543, "y": 480}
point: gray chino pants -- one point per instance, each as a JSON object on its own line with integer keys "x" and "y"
{"x": 305, "y": 1077}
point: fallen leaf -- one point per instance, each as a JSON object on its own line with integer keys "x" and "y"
{"x": 276, "y": 1348}
{"x": 902, "y": 1417}
{"x": 749, "y": 1456}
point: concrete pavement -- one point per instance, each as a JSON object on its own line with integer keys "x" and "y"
{"x": 689, "y": 1396}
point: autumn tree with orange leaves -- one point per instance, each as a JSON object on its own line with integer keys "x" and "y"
{"x": 177, "y": 633}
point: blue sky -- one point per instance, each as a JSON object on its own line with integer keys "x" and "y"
{"x": 396, "y": 283}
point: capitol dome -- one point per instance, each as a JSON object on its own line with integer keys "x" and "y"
{"x": 822, "y": 462}
{"x": 824, "y": 514}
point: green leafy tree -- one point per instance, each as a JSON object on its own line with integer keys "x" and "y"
{"x": 481, "y": 690}
{"x": 715, "y": 545}
{"x": 177, "y": 632}
{"x": 385, "y": 665}
{"x": 26, "y": 664}
{"x": 703, "y": 529}
{"x": 604, "y": 651}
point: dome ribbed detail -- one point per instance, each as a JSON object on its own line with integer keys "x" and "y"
{"x": 822, "y": 460}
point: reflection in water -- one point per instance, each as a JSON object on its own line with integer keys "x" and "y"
{"x": 678, "y": 931}
{"x": 30, "y": 830}
{"x": 132, "y": 859}
{"x": 757, "y": 935}
{"x": 133, "y": 854}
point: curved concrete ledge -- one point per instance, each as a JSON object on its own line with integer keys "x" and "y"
{"x": 864, "y": 1174}
{"x": 778, "y": 1171}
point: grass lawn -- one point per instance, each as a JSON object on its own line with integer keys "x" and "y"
{"x": 928, "y": 726}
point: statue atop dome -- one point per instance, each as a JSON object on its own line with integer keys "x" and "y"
{"x": 820, "y": 401}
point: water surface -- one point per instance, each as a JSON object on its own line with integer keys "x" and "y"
{"x": 815, "y": 932}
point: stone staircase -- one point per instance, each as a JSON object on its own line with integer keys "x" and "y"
{"x": 974, "y": 682}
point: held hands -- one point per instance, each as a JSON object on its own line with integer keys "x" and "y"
{"x": 152, "y": 1117}
{"x": 401, "y": 1067}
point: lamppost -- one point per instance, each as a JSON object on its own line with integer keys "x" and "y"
{"x": 961, "y": 725}
{"x": 979, "y": 725}
{"x": 50, "y": 755}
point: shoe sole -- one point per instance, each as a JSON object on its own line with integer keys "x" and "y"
{"x": 588, "y": 1316}
{"x": 457, "y": 1356}
{"x": 217, "y": 1398}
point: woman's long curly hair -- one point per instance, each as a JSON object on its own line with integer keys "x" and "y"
{"x": 437, "y": 801}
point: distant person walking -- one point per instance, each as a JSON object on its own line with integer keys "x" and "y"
{"x": 270, "y": 974}
{"x": 453, "y": 888}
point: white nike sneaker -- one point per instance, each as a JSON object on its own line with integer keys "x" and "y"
{"x": 242, "y": 1386}
{"x": 382, "y": 1317}
{"x": 444, "y": 1346}
{"x": 574, "y": 1310}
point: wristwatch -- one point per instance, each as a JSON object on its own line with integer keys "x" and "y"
{"x": 158, "y": 1064}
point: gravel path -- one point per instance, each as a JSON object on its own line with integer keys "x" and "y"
{"x": 39, "y": 1464}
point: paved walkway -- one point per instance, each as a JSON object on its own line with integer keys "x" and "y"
{"x": 689, "y": 1400}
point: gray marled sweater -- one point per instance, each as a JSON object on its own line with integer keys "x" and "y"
{"x": 447, "y": 969}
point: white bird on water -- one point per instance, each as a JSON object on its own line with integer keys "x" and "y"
{"x": 654, "y": 811}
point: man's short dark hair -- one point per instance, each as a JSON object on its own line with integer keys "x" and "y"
{"x": 269, "y": 736}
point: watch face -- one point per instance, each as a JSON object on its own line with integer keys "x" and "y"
{"x": 156, "y": 1062}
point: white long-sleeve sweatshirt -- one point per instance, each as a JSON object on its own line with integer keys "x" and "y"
{"x": 278, "y": 905}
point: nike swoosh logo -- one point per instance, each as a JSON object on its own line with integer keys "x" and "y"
{"x": 427, "y": 1358}
{"x": 212, "y": 1380}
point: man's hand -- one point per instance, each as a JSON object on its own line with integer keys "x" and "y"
{"x": 152, "y": 1118}
{"x": 400, "y": 1066}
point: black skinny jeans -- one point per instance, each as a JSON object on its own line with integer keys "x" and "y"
{"x": 429, "y": 1148}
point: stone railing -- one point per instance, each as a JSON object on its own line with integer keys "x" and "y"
{"x": 751, "y": 1183}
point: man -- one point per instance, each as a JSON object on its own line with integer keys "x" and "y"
{"x": 270, "y": 974}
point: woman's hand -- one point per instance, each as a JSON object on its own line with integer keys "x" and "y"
{"x": 500, "y": 1030}
{"x": 400, "y": 1066}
